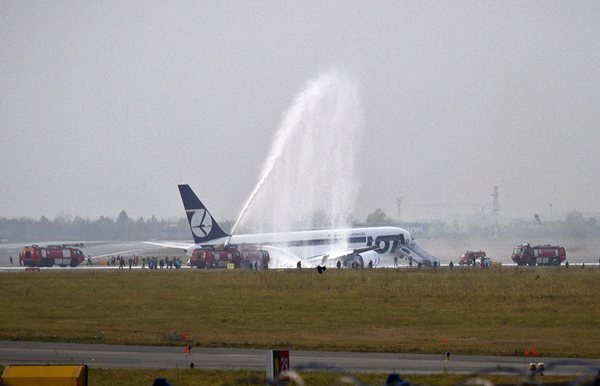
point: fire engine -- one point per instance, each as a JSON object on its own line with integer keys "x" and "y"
{"x": 222, "y": 258}
{"x": 471, "y": 258}
{"x": 525, "y": 254}
{"x": 63, "y": 255}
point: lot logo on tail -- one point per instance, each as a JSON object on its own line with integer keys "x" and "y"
{"x": 203, "y": 226}
{"x": 201, "y": 222}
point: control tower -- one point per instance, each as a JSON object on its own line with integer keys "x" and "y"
{"x": 495, "y": 210}
{"x": 399, "y": 202}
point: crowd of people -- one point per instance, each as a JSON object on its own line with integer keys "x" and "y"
{"x": 153, "y": 262}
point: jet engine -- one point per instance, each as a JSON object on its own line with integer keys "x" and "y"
{"x": 364, "y": 258}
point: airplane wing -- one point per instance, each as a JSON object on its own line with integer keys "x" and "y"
{"x": 342, "y": 254}
{"x": 168, "y": 244}
{"x": 321, "y": 259}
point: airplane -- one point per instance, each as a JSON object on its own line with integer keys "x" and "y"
{"x": 363, "y": 246}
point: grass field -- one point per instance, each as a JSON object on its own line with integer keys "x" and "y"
{"x": 555, "y": 311}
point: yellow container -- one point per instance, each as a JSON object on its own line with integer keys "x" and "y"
{"x": 44, "y": 376}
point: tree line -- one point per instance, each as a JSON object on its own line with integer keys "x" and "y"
{"x": 85, "y": 229}
{"x": 126, "y": 228}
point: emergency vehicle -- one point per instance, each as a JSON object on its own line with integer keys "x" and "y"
{"x": 63, "y": 255}
{"x": 525, "y": 254}
{"x": 222, "y": 258}
{"x": 472, "y": 258}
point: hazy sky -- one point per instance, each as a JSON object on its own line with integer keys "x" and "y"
{"x": 107, "y": 106}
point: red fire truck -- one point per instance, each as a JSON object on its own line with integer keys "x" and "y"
{"x": 222, "y": 258}
{"x": 525, "y": 254}
{"x": 471, "y": 258}
{"x": 63, "y": 255}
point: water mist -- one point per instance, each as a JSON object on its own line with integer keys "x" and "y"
{"x": 308, "y": 180}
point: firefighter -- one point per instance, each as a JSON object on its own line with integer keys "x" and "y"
{"x": 532, "y": 368}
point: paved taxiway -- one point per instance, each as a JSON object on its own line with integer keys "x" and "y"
{"x": 114, "y": 356}
{"x": 498, "y": 249}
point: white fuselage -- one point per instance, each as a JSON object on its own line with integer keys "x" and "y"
{"x": 310, "y": 246}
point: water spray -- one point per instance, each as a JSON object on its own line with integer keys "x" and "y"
{"x": 311, "y": 163}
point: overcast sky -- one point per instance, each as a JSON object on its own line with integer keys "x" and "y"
{"x": 107, "y": 106}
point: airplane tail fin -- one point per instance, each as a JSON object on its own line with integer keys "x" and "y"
{"x": 203, "y": 226}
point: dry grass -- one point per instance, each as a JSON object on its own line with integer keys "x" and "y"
{"x": 497, "y": 311}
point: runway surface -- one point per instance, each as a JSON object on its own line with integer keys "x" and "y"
{"x": 446, "y": 250}
{"x": 155, "y": 357}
